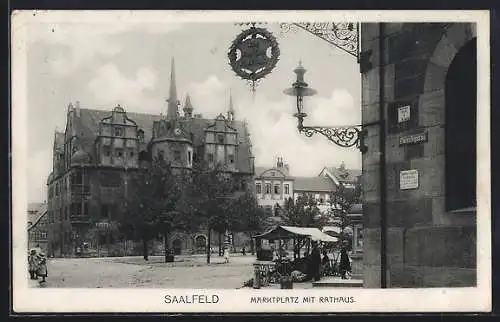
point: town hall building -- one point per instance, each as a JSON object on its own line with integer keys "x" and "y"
{"x": 99, "y": 149}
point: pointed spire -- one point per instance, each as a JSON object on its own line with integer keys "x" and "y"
{"x": 173, "y": 102}
{"x": 230, "y": 113}
{"x": 188, "y": 107}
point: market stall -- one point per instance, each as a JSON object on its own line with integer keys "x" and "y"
{"x": 269, "y": 269}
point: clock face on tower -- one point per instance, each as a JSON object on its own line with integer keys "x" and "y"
{"x": 177, "y": 131}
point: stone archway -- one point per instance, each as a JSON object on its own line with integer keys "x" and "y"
{"x": 177, "y": 246}
{"x": 200, "y": 243}
{"x": 447, "y": 84}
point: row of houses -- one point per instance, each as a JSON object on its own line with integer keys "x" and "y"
{"x": 275, "y": 184}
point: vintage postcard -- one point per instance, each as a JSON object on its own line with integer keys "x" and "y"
{"x": 251, "y": 161}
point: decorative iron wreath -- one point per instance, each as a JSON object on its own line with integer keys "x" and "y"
{"x": 275, "y": 52}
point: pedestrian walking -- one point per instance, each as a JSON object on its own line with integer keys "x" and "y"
{"x": 243, "y": 251}
{"x": 314, "y": 263}
{"x": 325, "y": 263}
{"x": 345, "y": 263}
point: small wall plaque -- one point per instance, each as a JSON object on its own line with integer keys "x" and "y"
{"x": 413, "y": 139}
{"x": 408, "y": 179}
{"x": 403, "y": 113}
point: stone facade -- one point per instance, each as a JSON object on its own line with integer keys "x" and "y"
{"x": 412, "y": 73}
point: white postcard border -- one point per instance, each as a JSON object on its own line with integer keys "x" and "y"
{"x": 153, "y": 300}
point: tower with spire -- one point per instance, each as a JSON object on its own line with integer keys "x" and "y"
{"x": 230, "y": 113}
{"x": 188, "y": 107}
{"x": 172, "y": 101}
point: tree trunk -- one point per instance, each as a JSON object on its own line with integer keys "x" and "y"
{"x": 145, "y": 250}
{"x": 166, "y": 251}
{"x": 220, "y": 244}
{"x": 294, "y": 249}
{"x": 208, "y": 245}
{"x": 252, "y": 246}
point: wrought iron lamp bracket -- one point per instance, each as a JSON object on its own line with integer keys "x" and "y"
{"x": 343, "y": 136}
{"x": 343, "y": 35}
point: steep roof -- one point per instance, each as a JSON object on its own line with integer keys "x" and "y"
{"x": 313, "y": 184}
{"x": 87, "y": 121}
{"x": 39, "y": 212}
{"x": 259, "y": 170}
{"x": 343, "y": 174}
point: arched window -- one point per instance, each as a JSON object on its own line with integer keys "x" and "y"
{"x": 460, "y": 129}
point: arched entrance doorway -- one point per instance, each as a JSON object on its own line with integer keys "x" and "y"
{"x": 177, "y": 246}
{"x": 460, "y": 129}
{"x": 200, "y": 243}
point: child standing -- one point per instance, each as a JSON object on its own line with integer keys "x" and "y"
{"x": 42, "y": 267}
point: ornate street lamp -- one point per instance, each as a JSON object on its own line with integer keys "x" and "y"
{"x": 344, "y": 136}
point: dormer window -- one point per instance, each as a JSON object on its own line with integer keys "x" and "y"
{"x": 118, "y": 131}
{"x": 140, "y": 135}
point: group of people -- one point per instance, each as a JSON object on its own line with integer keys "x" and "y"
{"x": 37, "y": 264}
{"x": 317, "y": 264}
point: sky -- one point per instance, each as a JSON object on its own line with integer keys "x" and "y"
{"x": 128, "y": 63}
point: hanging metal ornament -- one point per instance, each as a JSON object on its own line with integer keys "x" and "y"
{"x": 253, "y": 54}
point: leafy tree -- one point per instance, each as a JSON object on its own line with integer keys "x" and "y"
{"x": 207, "y": 195}
{"x": 154, "y": 204}
{"x": 246, "y": 215}
{"x": 341, "y": 203}
{"x": 302, "y": 212}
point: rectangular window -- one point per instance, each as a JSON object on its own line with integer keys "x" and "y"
{"x": 105, "y": 211}
{"x": 210, "y": 157}
{"x": 85, "y": 208}
{"x": 276, "y": 189}
{"x": 268, "y": 188}
{"x": 106, "y": 150}
{"x": 76, "y": 209}
{"x": 118, "y": 131}
{"x": 287, "y": 189}
{"x": 119, "y": 152}
{"x": 131, "y": 153}
{"x": 76, "y": 177}
{"x": 189, "y": 158}
{"x": 177, "y": 155}
{"x": 258, "y": 188}
{"x": 110, "y": 179}
{"x": 231, "y": 158}
{"x": 220, "y": 138}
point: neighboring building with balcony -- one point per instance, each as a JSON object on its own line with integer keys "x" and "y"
{"x": 37, "y": 226}
{"x": 94, "y": 157}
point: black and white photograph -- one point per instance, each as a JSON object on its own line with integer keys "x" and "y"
{"x": 251, "y": 161}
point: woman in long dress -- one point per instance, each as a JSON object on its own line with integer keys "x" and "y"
{"x": 226, "y": 255}
{"x": 33, "y": 264}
